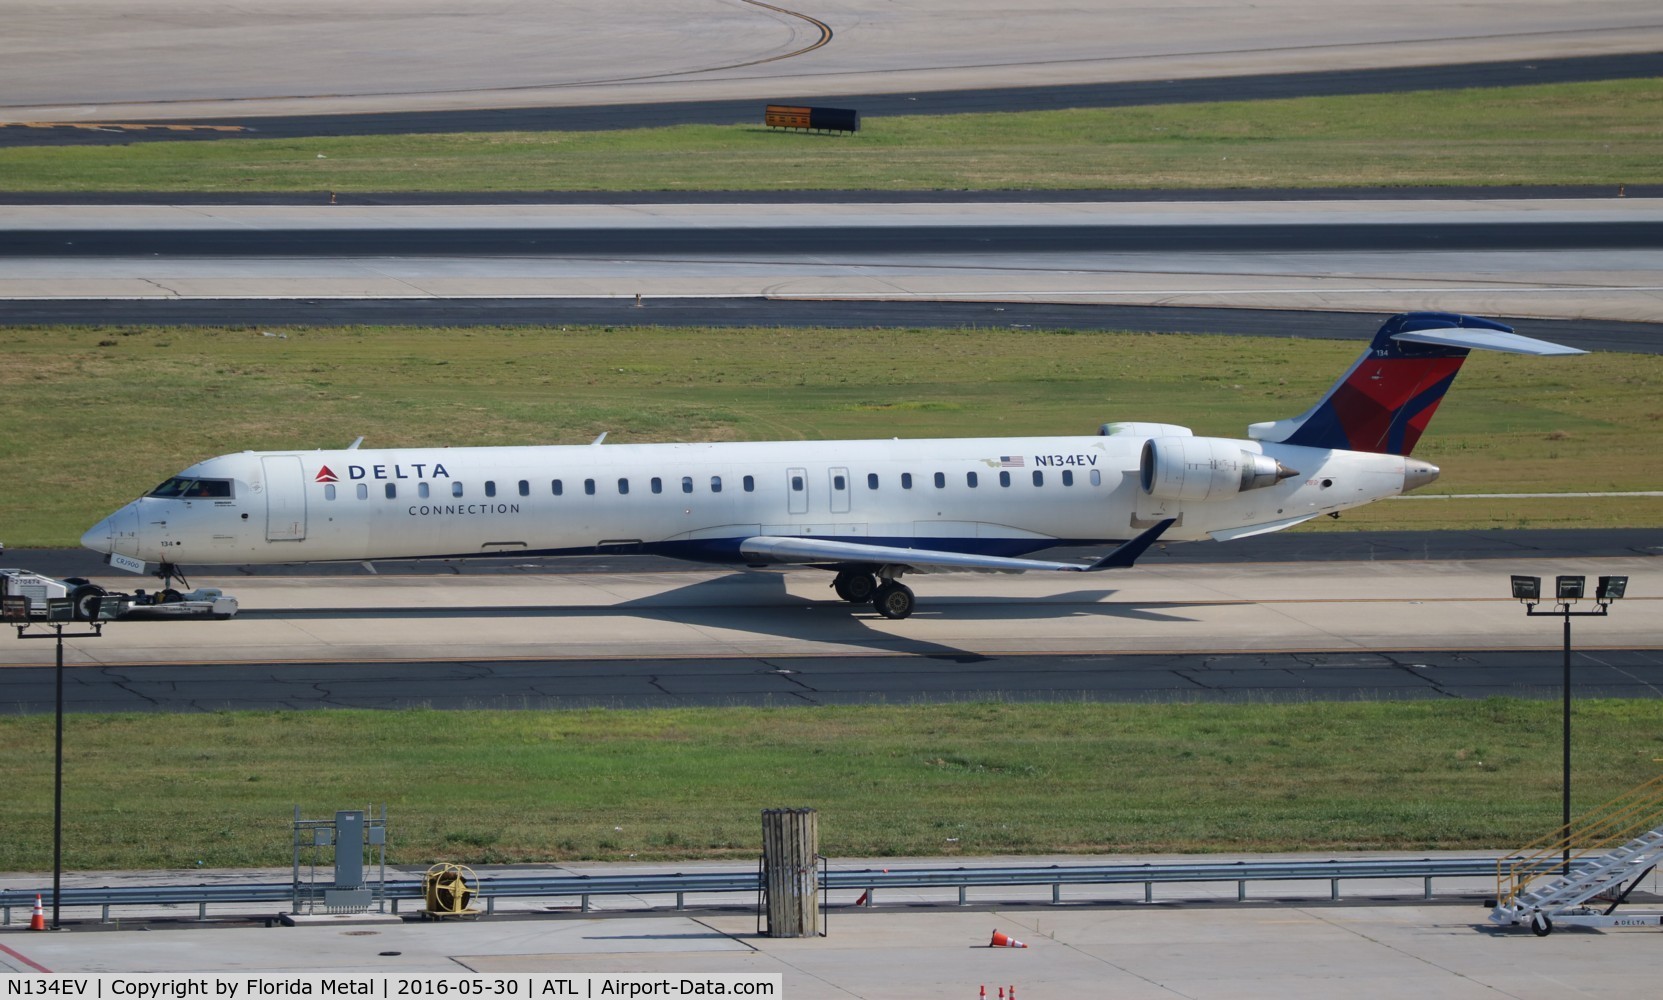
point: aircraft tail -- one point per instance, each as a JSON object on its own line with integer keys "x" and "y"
{"x": 1384, "y": 402}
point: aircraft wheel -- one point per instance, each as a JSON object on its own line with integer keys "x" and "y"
{"x": 85, "y": 600}
{"x": 169, "y": 596}
{"x": 893, "y": 600}
{"x": 856, "y": 588}
{"x": 1540, "y": 926}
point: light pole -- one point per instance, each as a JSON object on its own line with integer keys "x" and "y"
{"x": 54, "y": 615}
{"x": 1567, "y": 591}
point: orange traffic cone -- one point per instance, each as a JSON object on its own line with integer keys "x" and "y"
{"x": 1002, "y": 940}
{"x": 37, "y": 922}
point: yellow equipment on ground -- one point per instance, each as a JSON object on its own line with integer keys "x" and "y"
{"x": 448, "y": 889}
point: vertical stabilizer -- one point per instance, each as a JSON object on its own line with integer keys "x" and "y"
{"x": 1384, "y": 402}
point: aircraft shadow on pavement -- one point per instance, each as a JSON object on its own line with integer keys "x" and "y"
{"x": 759, "y": 603}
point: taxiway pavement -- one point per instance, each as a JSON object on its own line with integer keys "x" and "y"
{"x": 175, "y": 60}
{"x": 1233, "y": 608}
{"x": 1588, "y": 259}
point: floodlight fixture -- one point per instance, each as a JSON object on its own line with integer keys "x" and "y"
{"x": 1568, "y": 589}
{"x": 1527, "y": 589}
{"x": 1611, "y": 588}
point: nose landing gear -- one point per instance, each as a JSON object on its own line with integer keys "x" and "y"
{"x": 168, "y": 572}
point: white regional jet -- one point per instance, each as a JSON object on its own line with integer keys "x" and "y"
{"x": 869, "y": 511}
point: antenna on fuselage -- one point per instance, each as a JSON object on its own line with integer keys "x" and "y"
{"x": 354, "y": 445}
{"x": 599, "y": 439}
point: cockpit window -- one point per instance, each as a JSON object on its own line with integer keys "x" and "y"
{"x": 192, "y": 488}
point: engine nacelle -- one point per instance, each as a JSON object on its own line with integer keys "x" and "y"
{"x": 1194, "y": 468}
{"x": 1144, "y": 429}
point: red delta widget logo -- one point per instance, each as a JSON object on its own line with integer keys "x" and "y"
{"x": 419, "y": 470}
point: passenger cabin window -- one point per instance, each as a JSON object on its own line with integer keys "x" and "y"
{"x": 392, "y": 491}
{"x": 970, "y": 479}
{"x": 558, "y": 487}
{"x": 657, "y": 485}
{"x": 1068, "y": 477}
{"x": 715, "y": 484}
{"x": 589, "y": 487}
{"x": 687, "y": 484}
{"x": 906, "y": 480}
{"x": 623, "y": 487}
{"x": 1096, "y": 477}
{"x": 490, "y": 487}
{"x": 329, "y": 492}
{"x": 363, "y": 491}
{"x": 525, "y": 488}
{"x": 941, "y": 480}
{"x": 750, "y": 484}
{"x": 455, "y": 489}
{"x": 1039, "y": 478}
{"x": 191, "y": 488}
{"x": 1004, "y": 479}
{"x": 422, "y": 490}
{"x": 796, "y": 484}
{"x": 839, "y": 483}
{"x": 871, "y": 480}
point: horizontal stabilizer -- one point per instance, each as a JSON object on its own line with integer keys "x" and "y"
{"x": 1485, "y": 340}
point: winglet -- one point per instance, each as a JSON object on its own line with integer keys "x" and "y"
{"x": 1127, "y": 552}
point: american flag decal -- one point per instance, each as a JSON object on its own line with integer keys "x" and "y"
{"x": 1010, "y": 461}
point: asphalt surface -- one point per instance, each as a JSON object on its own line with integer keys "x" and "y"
{"x": 731, "y": 242}
{"x": 1591, "y": 335}
{"x": 835, "y": 680}
{"x": 932, "y": 102}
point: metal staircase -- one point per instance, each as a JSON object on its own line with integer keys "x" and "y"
{"x": 1552, "y": 880}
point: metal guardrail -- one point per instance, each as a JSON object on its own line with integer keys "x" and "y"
{"x": 869, "y": 881}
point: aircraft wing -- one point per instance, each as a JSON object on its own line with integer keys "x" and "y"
{"x": 820, "y": 551}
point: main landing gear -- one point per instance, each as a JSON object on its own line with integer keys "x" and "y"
{"x": 890, "y": 597}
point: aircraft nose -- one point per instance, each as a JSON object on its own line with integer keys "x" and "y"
{"x": 97, "y": 537}
{"x": 107, "y": 535}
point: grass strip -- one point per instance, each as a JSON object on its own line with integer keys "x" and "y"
{"x": 218, "y": 789}
{"x": 1584, "y": 133}
{"x": 133, "y": 405}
